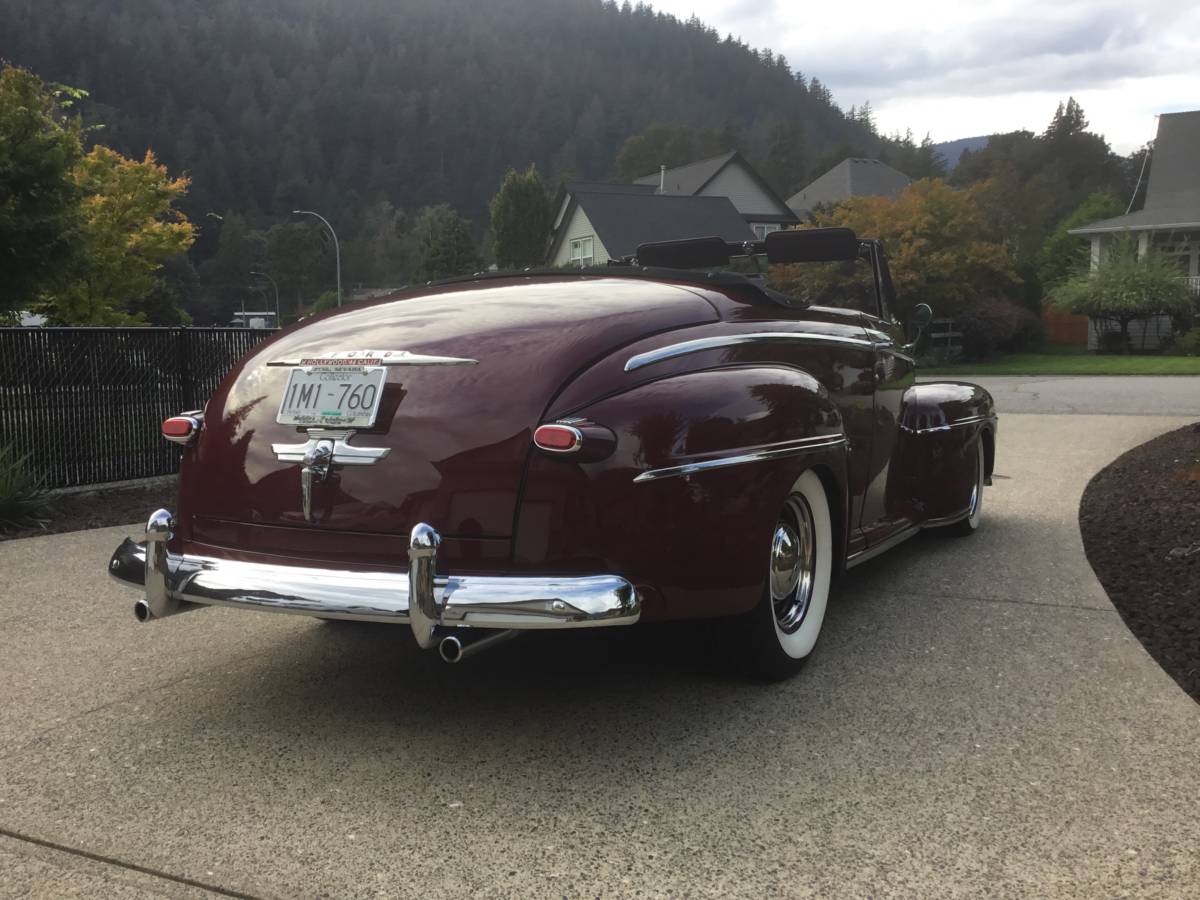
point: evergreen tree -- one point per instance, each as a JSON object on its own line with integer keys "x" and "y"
{"x": 520, "y": 220}
{"x": 444, "y": 247}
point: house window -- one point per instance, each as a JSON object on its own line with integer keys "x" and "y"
{"x": 762, "y": 230}
{"x": 581, "y": 252}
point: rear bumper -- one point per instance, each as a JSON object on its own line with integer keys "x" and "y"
{"x": 175, "y": 583}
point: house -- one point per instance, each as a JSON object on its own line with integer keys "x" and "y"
{"x": 852, "y": 177}
{"x": 1169, "y": 220}
{"x": 727, "y": 175}
{"x": 598, "y": 222}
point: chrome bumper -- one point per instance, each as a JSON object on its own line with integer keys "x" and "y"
{"x": 177, "y": 583}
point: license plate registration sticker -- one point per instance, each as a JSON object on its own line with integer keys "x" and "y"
{"x": 332, "y": 396}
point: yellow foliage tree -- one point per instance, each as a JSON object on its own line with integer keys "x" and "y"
{"x": 130, "y": 227}
{"x": 942, "y": 246}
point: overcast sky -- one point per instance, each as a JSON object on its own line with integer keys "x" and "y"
{"x": 968, "y": 67}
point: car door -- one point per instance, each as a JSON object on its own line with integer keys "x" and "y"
{"x": 885, "y": 508}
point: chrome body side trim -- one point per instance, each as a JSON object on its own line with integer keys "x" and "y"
{"x": 947, "y": 520}
{"x": 882, "y": 547}
{"x": 484, "y": 601}
{"x": 760, "y": 454}
{"x": 957, "y": 423}
{"x": 337, "y": 441}
{"x": 732, "y": 340}
{"x": 377, "y": 358}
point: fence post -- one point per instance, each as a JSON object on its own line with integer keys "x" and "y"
{"x": 186, "y": 383}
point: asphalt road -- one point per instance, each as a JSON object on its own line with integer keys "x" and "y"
{"x": 977, "y": 722}
{"x": 1125, "y": 395}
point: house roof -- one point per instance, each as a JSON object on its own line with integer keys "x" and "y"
{"x": 1173, "y": 191}
{"x": 623, "y": 220}
{"x": 852, "y": 177}
{"x": 690, "y": 178}
{"x": 696, "y": 176}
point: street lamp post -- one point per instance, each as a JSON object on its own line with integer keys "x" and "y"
{"x": 278, "y": 321}
{"x": 337, "y": 250}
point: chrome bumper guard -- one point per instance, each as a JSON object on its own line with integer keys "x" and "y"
{"x": 178, "y": 583}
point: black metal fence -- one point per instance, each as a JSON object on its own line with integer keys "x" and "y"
{"x": 87, "y": 403}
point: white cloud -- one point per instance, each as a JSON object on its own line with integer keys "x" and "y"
{"x": 955, "y": 69}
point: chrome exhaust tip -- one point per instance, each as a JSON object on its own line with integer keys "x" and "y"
{"x": 141, "y": 611}
{"x": 453, "y": 650}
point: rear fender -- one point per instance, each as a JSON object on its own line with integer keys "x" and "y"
{"x": 694, "y": 540}
{"x": 940, "y": 423}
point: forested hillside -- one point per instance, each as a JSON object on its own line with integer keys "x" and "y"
{"x": 338, "y": 104}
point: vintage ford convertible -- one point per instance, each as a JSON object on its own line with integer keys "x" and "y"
{"x": 645, "y": 442}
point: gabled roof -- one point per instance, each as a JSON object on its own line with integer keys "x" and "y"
{"x": 1173, "y": 191}
{"x": 689, "y": 178}
{"x": 622, "y": 220}
{"x": 694, "y": 177}
{"x": 852, "y": 177}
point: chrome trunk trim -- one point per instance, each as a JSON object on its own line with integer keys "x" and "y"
{"x": 744, "y": 457}
{"x": 376, "y": 358}
{"x": 485, "y": 601}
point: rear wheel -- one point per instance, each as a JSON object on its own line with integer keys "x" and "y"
{"x": 970, "y": 524}
{"x": 782, "y": 630}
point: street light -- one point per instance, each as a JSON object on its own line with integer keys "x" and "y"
{"x": 337, "y": 251}
{"x": 278, "y": 322}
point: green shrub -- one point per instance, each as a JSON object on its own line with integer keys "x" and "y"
{"x": 23, "y": 500}
{"x": 998, "y": 326}
{"x": 1187, "y": 344}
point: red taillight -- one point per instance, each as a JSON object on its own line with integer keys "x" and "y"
{"x": 181, "y": 429}
{"x": 558, "y": 438}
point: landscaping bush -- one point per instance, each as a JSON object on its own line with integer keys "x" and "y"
{"x": 1187, "y": 344}
{"x": 23, "y": 500}
{"x": 998, "y": 326}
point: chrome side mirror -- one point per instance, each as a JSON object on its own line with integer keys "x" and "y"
{"x": 918, "y": 321}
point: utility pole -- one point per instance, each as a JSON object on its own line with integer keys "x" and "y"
{"x": 337, "y": 250}
{"x": 278, "y": 321}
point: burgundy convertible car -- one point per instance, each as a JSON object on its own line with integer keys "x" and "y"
{"x": 651, "y": 441}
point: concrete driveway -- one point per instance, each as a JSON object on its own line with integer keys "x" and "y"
{"x": 977, "y": 722}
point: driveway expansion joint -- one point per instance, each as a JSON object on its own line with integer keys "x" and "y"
{"x": 122, "y": 864}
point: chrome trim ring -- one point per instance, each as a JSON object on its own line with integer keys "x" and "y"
{"x": 793, "y": 564}
{"x": 760, "y": 454}
{"x": 732, "y": 340}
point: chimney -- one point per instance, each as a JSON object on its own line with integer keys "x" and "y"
{"x": 662, "y": 179}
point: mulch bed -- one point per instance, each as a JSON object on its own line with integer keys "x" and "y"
{"x": 1140, "y": 519}
{"x": 101, "y": 508}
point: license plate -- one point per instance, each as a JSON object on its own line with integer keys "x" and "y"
{"x": 332, "y": 396}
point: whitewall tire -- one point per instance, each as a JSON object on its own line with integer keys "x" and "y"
{"x": 784, "y": 627}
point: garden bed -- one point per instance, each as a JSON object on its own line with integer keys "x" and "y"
{"x": 102, "y": 507}
{"x": 1140, "y": 519}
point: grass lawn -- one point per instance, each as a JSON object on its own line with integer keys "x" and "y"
{"x": 1072, "y": 360}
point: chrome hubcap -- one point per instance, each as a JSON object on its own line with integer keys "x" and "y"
{"x": 793, "y": 564}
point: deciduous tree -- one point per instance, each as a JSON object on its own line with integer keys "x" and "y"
{"x": 129, "y": 228}
{"x": 1125, "y": 288}
{"x": 941, "y": 248}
